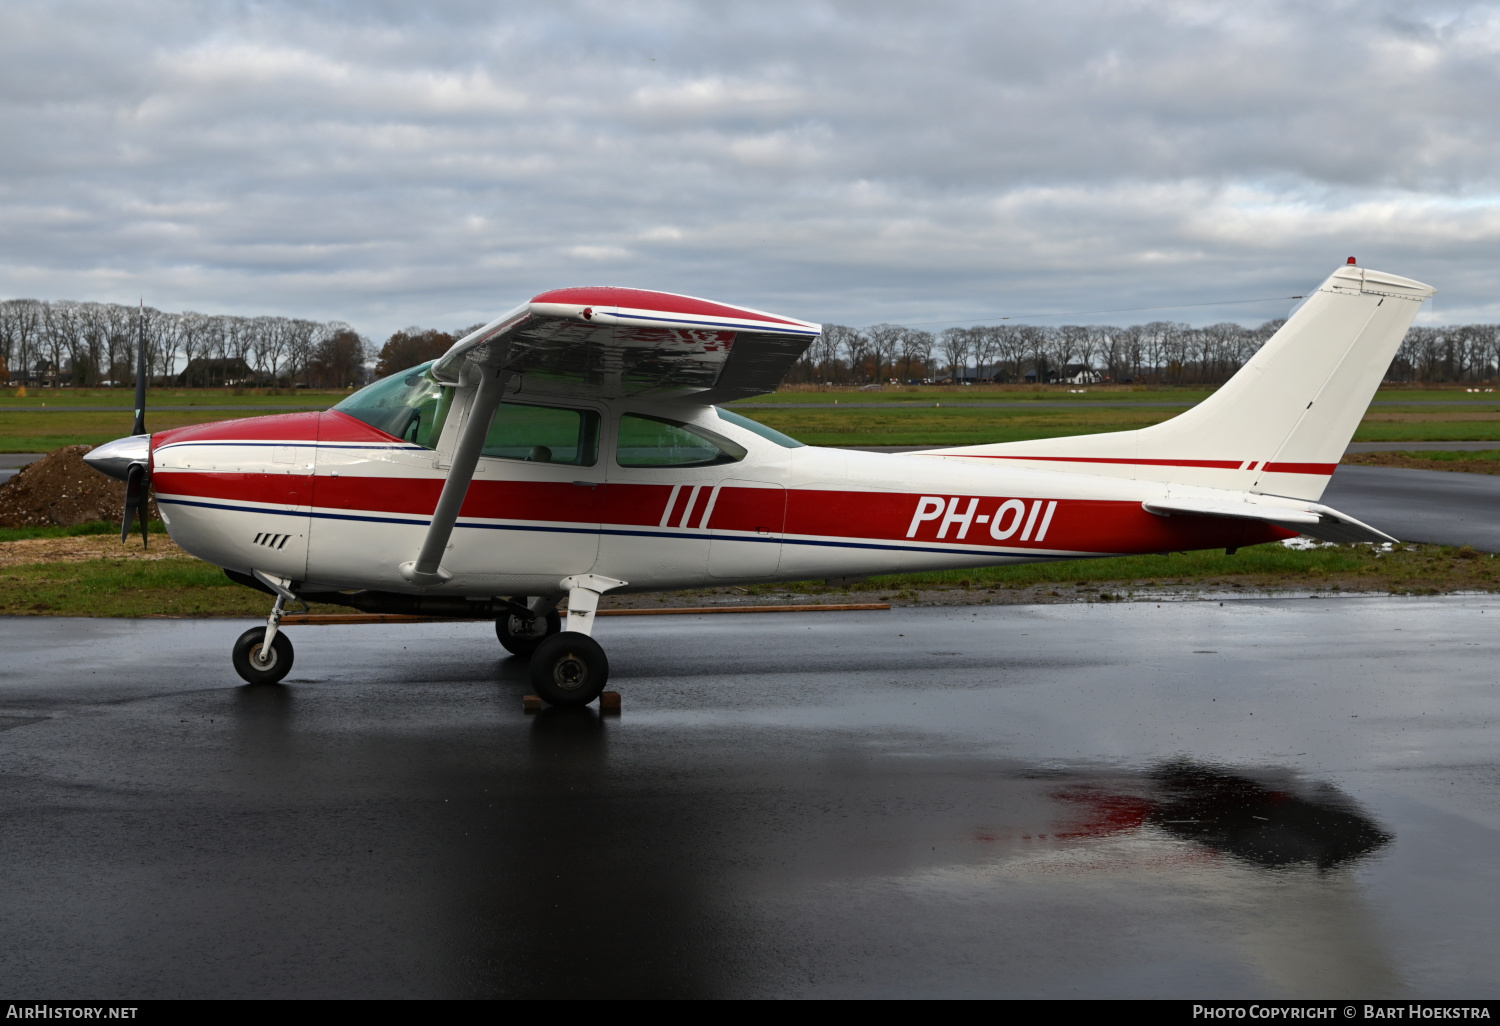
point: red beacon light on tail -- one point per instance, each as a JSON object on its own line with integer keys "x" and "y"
{"x": 1351, "y": 260}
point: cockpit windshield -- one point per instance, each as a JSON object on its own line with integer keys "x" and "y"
{"x": 410, "y": 405}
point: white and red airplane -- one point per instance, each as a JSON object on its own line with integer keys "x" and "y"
{"x": 574, "y": 447}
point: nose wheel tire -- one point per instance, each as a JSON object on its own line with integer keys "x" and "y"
{"x": 521, "y": 636}
{"x": 262, "y": 668}
{"x": 569, "y": 669}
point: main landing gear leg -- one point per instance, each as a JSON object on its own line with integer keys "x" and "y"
{"x": 569, "y": 668}
{"x": 521, "y": 634}
{"x": 264, "y": 655}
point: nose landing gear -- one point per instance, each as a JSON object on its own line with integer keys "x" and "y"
{"x": 263, "y": 655}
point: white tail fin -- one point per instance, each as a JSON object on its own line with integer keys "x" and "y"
{"x": 1280, "y": 425}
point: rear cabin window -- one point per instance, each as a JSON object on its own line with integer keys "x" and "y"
{"x": 768, "y": 433}
{"x": 544, "y": 434}
{"x": 657, "y": 442}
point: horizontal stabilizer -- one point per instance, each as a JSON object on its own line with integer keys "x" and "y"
{"x": 1310, "y": 518}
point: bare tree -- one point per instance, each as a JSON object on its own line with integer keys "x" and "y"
{"x": 984, "y": 345}
{"x": 21, "y": 332}
{"x": 163, "y": 333}
{"x": 885, "y": 343}
{"x": 916, "y": 348}
{"x": 826, "y": 351}
{"x": 1034, "y": 344}
{"x": 271, "y": 339}
{"x": 302, "y": 339}
{"x": 59, "y": 334}
{"x": 953, "y": 343}
{"x": 193, "y": 333}
{"x": 856, "y": 348}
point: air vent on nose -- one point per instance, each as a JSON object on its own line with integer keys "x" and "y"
{"x": 272, "y": 541}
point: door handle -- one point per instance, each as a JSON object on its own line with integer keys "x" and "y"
{"x": 587, "y": 484}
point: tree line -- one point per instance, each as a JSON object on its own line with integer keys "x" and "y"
{"x": 91, "y": 344}
{"x": 1161, "y": 352}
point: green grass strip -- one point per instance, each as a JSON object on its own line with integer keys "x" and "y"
{"x": 10, "y": 534}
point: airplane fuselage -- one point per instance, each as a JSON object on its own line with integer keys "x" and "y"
{"x": 331, "y": 502}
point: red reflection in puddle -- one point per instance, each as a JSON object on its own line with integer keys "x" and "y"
{"x": 1103, "y": 814}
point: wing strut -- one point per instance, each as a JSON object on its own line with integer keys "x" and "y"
{"x": 426, "y": 570}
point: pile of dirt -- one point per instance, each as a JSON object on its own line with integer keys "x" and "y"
{"x": 60, "y": 489}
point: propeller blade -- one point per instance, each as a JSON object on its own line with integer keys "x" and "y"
{"x": 140, "y": 373}
{"x": 135, "y": 496}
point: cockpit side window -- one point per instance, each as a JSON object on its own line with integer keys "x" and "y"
{"x": 657, "y": 442}
{"x": 410, "y": 405}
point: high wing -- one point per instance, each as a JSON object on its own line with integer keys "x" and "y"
{"x": 599, "y": 342}
{"x": 1310, "y": 518}
{"x": 609, "y": 342}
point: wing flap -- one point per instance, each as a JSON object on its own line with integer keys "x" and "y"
{"x": 1310, "y": 518}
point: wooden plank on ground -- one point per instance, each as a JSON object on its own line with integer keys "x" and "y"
{"x": 847, "y": 607}
{"x": 330, "y": 619}
{"x": 333, "y": 619}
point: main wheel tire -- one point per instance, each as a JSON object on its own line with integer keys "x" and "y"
{"x": 569, "y": 669}
{"x": 249, "y": 664}
{"x": 521, "y": 636}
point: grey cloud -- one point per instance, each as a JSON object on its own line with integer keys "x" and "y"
{"x": 389, "y": 164}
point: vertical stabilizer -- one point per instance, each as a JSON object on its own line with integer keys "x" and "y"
{"x": 1280, "y": 425}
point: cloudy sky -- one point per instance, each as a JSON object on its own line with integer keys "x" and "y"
{"x": 945, "y": 162}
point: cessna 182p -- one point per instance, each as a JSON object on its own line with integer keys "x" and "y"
{"x": 574, "y": 446}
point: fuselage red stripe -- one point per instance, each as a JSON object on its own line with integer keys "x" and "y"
{"x": 1213, "y": 464}
{"x": 1077, "y": 525}
{"x": 1274, "y": 468}
{"x": 1321, "y": 469}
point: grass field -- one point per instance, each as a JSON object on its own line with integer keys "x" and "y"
{"x": 1412, "y": 569}
{"x": 176, "y": 586}
{"x": 54, "y": 398}
{"x": 1484, "y": 461}
{"x": 98, "y": 527}
{"x": 76, "y": 572}
{"x": 29, "y": 432}
{"x": 946, "y": 425}
{"x": 904, "y": 416}
{"x": 1083, "y": 395}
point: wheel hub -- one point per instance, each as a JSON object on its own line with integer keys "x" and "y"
{"x": 570, "y": 673}
{"x": 520, "y": 627}
{"x": 260, "y": 663}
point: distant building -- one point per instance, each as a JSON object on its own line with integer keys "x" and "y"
{"x": 209, "y": 373}
{"x": 1080, "y": 374}
{"x": 43, "y": 374}
{"x": 1072, "y": 374}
